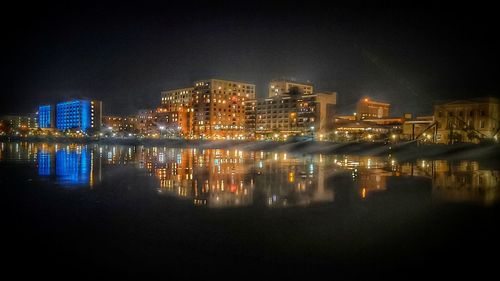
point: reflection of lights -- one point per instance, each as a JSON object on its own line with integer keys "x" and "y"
{"x": 363, "y": 193}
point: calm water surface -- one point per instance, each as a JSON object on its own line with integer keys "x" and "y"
{"x": 142, "y": 209}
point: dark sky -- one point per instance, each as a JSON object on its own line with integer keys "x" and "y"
{"x": 125, "y": 54}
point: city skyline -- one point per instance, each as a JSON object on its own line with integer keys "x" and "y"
{"x": 126, "y": 55}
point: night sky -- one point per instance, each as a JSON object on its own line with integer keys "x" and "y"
{"x": 125, "y": 54}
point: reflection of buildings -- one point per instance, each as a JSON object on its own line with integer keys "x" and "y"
{"x": 368, "y": 173}
{"x": 72, "y": 165}
{"x": 222, "y": 178}
{"x": 216, "y": 178}
{"x": 285, "y": 180}
{"x": 458, "y": 182}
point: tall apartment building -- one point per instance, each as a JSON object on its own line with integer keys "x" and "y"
{"x": 368, "y": 109}
{"x": 467, "y": 120}
{"x": 219, "y": 108}
{"x": 283, "y": 86}
{"x": 84, "y": 115}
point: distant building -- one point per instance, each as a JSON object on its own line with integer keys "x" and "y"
{"x": 120, "y": 124}
{"x": 368, "y": 109}
{"x": 469, "y": 120}
{"x": 348, "y": 130}
{"x": 145, "y": 121}
{"x": 18, "y": 122}
{"x": 46, "y": 116}
{"x": 84, "y": 115}
{"x": 291, "y": 114}
{"x": 283, "y": 86}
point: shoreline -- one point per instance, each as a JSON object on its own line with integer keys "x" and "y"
{"x": 400, "y": 150}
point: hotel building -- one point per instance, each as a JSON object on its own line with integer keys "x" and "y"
{"x": 279, "y": 87}
{"x": 84, "y": 115}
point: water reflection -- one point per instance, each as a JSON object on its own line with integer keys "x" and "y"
{"x": 222, "y": 178}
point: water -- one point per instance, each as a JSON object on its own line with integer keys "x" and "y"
{"x": 144, "y": 210}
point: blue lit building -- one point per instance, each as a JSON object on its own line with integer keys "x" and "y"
{"x": 73, "y": 166}
{"x": 45, "y": 116}
{"x": 79, "y": 115}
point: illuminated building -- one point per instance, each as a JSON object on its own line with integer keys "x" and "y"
{"x": 176, "y": 112}
{"x": 19, "y": 122}
{"x": 291, "y": 114}
{"x": 283, "y": 86}
{"x": 171, "y": 100}
{"x": 84, "y": 115}
{"x": 467, "y": 120}
{"x": 120, "y": 124}
{"x": 346, "y": 130}
{"x": 145, "y": 121}
{"x": 219, "y": 108}
{"x": 172, "y": 124}
{"x": 46, "y": 116}
{"x": 368, "y": 109}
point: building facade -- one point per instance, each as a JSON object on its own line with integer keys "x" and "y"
{"x": 120, "y": 124}
{"x": 46, "y": 116}
{"x": 283, "y": 86}
{"x": 219, "y": 108}
{"x": 292, "y": 114}
{"x": 17, "y": 123}
{"x": 83, "y": 115}
{"x": 368, "y": 109}
{"x": 471, "y": 120}
{"x": 171, "y": 100}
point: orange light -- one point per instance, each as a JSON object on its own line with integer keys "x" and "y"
{"x": 366, "y": 100}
